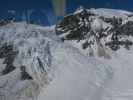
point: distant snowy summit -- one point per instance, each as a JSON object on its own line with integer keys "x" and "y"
{"x": 97, "y": 30}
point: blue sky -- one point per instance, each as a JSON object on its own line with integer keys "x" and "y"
{"x": 115, "y": 4}
{"x": 47, "y": 17}
{"x": 41, "y": 4}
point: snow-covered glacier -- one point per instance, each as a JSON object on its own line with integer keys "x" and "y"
{"x": 44, "y": 63}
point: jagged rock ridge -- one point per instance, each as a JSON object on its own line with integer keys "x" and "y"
{"x": 91, "y": 29}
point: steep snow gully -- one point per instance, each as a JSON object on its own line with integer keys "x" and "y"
{"x": 43, "y": 63}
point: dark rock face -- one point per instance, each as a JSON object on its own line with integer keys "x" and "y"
{"x": 6, "y": 21}
{"x": 71, "y": 23}
{"x": 127, "y": 29}
{"x": 8, "y": 53}
{"x": 24, "y": 74}
{"x": 77, "y": 26}
{"x": 119, "y": 31}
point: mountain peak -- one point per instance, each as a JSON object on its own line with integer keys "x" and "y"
{"x": 93, "y": 29}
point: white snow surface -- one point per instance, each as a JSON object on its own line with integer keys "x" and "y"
{"x": 66, "y": 73}
{"x": 111, "y": 12}
{"x": 69, "y": 73}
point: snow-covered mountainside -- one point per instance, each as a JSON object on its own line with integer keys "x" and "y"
{"x": 34, "y": 62}
{"x": 97, "y": 31}
{"x": 104, "y": 34}
{"x": 86, "y": 56}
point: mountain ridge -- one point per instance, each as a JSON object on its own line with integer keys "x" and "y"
{"x": 42, "y": 63}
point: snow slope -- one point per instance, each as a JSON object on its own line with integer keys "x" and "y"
{"x": 120, "y": 87}
{"x": 58, "y": 70}
{"x": 82, "y": 79}
{"x": 111, "y": 12}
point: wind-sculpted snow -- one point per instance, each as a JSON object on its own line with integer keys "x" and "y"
{"x": 36, "y": 65}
